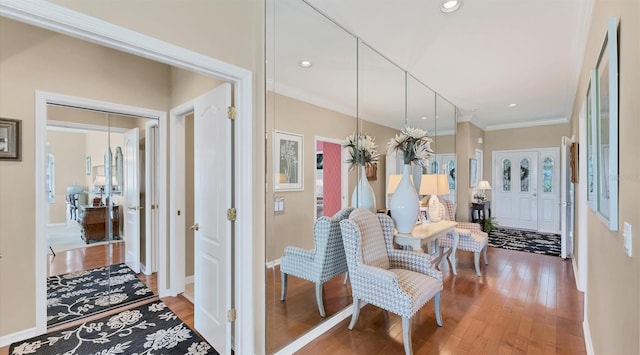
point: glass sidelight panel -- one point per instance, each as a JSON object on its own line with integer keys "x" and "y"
{"x": 506, "y": 175}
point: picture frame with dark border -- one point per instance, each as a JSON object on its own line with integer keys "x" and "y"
{"x": 288, "y": 161}
{"x": 10, "y": 139}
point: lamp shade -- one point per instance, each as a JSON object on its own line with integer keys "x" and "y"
{"x": 101, "y": 180}
{"x": 428, "y": 185}
{"x": 393, "y": 182}
{"x": 443, "y": 185}
{"x": 484, "y": 185}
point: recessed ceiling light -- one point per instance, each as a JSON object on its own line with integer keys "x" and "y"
{"x": 424, "y": 117}
{"x": 512, "y": 105}
{"x": 449, "y": 6}
{"x": 305, "y": 64}
{"x": 474, "y": 110}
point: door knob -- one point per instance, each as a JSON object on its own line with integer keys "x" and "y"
{"x": 534, "y": 194}
{"x": 195, "y": 227}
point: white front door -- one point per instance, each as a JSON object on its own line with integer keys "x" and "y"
{"x": 566, "y": 195}
{"x": 132, "y": 200}
{"x": 213, "y": 196}
{"x": 549, "y": 190}
{"x": 515, "y": 189}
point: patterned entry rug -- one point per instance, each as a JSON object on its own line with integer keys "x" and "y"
{"x": 522, "y": 240}
{"x": 81, "y": 294}
{"x": 148, "y": 329}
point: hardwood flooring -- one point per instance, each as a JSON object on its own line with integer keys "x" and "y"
{"x": 523, "y": 304}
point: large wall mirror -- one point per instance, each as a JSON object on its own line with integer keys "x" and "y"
{"x": 323, "y": 85}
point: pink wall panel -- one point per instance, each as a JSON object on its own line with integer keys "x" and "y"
{"x": 332, "y": 178}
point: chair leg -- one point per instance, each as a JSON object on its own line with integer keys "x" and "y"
{"x": 283, "y": 293}
{"x": 452, "y": 261}
{"x": 346, "y": 277}
{"x": 319, "y": 299}
{"x": 355, "y": 314}
{"x": 436, "y": 303}
{"x": 484, "y": 252}
{"x": 476, "y": 262}
{"x": 406, "y": 335}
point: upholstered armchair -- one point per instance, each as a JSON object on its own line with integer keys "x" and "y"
{"x": 324, "y": 262}
{"x": 398, "y": 281}
{"x": 471, "y": 238}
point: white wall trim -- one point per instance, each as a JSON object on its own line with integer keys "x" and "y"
{"x": 272, "y": 264}
{"x": 18, "y": 336}
{"x": 588, "y": 343}
{"x": 534, "y": 123}
{"x": 60, "y": 19}
{"x": 189, "y": 279}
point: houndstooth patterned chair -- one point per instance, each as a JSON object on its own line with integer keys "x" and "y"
{"x": 398, "y": 281}
{"x": 471, "y": 238}
{"x": 321, "y": 264}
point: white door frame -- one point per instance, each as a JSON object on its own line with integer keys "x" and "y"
{"x": 344, "y": 172}
{"x": 151, "y": 198}
{"x": 62, "y": 20}
{"x": 43, "y": 99}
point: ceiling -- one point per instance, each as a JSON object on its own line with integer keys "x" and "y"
{"x": 485, "y": 56}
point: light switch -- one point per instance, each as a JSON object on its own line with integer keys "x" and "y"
{"x": 278, "y": 205}
{"x": 627, "y": 238}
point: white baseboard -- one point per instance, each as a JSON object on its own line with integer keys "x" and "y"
{"x": 272, "y": 264}
{"x": 188, "y": 280}
{"x": 18, "y": 336}
{"x": 576, "y": 275}
{"x": 588, "y": 344}
{"x": 317, "y": 331}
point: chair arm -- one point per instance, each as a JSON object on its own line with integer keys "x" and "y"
{"x": 377, "y": 275}
{"x": 296, "y": 252}
{"x": 473, "y": 227}
{"x": 414, "y": 261}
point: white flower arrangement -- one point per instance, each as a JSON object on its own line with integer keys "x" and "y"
{"x": 415, "y": 145}
{"x": 362, "y": 150}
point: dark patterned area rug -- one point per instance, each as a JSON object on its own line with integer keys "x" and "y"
{"x": 148, "y": 329}
{"x": 523, "y": 240}
{"x": 81, "y": 294}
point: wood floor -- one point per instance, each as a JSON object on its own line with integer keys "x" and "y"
{"x": 523, "y": 304}
{"x": 102, "y": 255}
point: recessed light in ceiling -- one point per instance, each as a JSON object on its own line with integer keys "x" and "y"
{"x": 512, "y": 105}
{"x": 424, "y": 117}
{"x": 305, "y": 64}
{"x": 449, "y": 6}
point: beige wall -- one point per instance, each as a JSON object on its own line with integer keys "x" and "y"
{"x": 34, "y": 59}
{"x": 68, "y": 149}
{"x": 613, "y": 279}
{"x": 467, "y": 135}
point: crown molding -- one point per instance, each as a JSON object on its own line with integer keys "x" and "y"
{"x": 526, "y": 124}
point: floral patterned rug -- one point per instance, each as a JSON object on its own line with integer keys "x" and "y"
{"x": 148, "y": 329}
{"x": 80, "y": 294}
{"x": 523, "y": 240}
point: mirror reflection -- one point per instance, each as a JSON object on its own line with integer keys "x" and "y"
{"x": 327, "y": 89}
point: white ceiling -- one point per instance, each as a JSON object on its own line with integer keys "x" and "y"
{"x": 487, "y": 55}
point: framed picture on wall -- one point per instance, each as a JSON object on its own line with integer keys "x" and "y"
{"x": 288, "y": 161}
{"x": 473, "y": 172}
{"x": 10, "y": 139}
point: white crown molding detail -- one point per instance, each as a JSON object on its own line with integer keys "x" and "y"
{"x": 526, "y": 124}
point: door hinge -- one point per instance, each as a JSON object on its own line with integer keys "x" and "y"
{"x": 231, "y": 113}
{"x": 231, "y": 315}
{"x": 231, "y": 214}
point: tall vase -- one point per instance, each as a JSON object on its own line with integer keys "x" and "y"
{"x": 405, "y": 205}
{"x": 363, "y": 196}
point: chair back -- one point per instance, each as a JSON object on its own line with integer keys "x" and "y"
{"x": 449, "y": 211}
{"x": 364, "y": 241}
{"x": 328, "y": 244}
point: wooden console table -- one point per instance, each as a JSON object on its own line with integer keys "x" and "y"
{"x": 93, "y": 220}
{"x": 427, "y": 234}
{"x": 482, "y": 210}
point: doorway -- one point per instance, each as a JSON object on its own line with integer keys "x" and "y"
{"x": 331, "y": 177}
{"x": 526, "y": 189}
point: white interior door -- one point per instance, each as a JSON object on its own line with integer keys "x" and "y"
{"x": 213, "y": 193}
{"x": 132, "y": 200}
{"x": 566, "y": 195}
{"x": 515, "y": 189}
{"x": 151, "y": 198}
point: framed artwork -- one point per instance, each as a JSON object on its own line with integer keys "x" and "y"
{"x": 10, "y": 139}
{"x": 473, "y": 172}
{"x": 606, "y": 129}
{"x": 88, "y": 165}
{"x": 288, "y": 161}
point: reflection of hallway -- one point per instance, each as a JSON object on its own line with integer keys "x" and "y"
{"x": 63, "y": 237}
